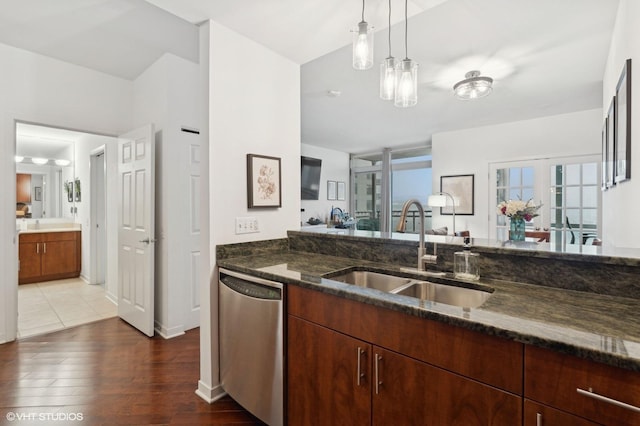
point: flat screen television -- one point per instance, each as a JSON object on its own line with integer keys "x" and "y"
{"x": 310, "y": 177}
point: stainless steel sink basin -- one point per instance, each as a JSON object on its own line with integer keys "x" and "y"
{"x": 447, "y": 294}
{"x": 369, "y": 279}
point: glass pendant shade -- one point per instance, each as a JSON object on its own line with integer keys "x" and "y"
{"x": 473, "y": 86}
{"x": 406, "y": 84}
{"x": 388, "y": 79}
{"x": 363, "y": 46}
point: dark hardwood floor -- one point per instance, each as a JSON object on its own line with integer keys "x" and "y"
{"x": 108, "y": 373}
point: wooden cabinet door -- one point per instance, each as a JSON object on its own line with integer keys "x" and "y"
{"x": 23, "y": 188}
{"x": 322, "y": 376}
{"x": 58, "y": 257}
{"x": 30, "y": 265}
{"x": 411, "y": 392}
{"x": 540, "y": 415}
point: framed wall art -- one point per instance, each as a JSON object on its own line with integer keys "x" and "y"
{"x": 460, "y": 187}
{"x": 342, "y": 191}
{"x": 622, "y": 148}
{"x": 331, "y": 190}
{"x": 611, "y": 137}
{"x": 264, "y": 181}
{"x": 605, "y": 143}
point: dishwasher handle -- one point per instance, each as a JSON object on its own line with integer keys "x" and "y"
{"x": 250, "y": 288}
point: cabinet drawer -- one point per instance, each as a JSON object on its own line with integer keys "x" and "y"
{"x": 488, "y": 359}
{"x": 582, "y": 387}
{"x": 59, "y": 236}
{"x": 30, "y": 238}
{"x": 540, "y": 415}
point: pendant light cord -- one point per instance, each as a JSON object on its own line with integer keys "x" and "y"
{"x": 389, "y": 28}
{"x": 406, "y": 24}
{"x": 363, "y": 10}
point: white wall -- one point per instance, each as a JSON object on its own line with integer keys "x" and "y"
{"x": 254, "y": 108}
{"x": 39, "y": 89}
{"x": 621, "y": 203}
{"x": 335, "y": 166}
{"x": 166, "y": 94}
{"x": 470, "y": 151}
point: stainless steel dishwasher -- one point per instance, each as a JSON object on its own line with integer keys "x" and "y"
{"x": 251, "y": 325}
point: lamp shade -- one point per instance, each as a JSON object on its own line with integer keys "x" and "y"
{"x": 388, "y": 79}
{"x": 437, "y": 201}
{"x": 406, "y": 84}
{"x": 39, "y": 161}
{"x": 362, "y": 46}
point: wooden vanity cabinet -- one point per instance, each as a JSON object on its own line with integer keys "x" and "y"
{"x": 583, "y": 388}
{"x": 412, "y": 371}
{"x": 48, "y": 256}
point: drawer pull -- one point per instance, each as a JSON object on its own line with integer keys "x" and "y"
{"x": 591, "y": 394}
{"x": 37, "y": 248}
{"x": 538, "y": 419}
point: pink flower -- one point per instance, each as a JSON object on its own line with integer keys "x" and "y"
{"x": 528, "y": 217}
{"x": 504, "y": 210}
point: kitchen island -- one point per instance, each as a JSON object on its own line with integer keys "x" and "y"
{"x": 545, "y": 328}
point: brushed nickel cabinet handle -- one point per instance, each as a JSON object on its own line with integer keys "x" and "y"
{"x": 44, "y": 245}
{"x": 378, "y": 381}
{"x": 37, "y": 248}
{"x": 538, "y": 419}
{"x": 591, "y": 394}
{"x": 360, "y": 374}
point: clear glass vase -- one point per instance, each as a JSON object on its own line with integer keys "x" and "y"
{"x": 516, "y": 231}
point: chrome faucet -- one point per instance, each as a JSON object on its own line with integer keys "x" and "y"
{"x": 422, "y": 258}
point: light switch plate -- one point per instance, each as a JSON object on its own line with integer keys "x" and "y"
{"x": 247, "y": 225}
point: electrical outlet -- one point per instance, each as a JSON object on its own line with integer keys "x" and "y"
{"x": 247, "y": 225}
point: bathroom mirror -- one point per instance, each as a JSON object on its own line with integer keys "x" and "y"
{"x": 44, "y": 172}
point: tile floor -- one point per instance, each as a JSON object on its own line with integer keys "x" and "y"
{"x": 56, "y": 305}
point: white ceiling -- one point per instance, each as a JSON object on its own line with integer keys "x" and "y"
{"x": 547, "y": 57}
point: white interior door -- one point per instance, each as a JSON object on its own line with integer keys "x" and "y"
{"x": 136, "y": 228}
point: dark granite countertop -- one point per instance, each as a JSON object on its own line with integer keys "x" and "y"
{"x": 597, "y": 327}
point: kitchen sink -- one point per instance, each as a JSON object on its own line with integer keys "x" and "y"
{"x": 447, "y": 294}
{"x": 369, "y": 279}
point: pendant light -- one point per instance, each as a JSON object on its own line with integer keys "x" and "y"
{"x": 388, "y": 71}
{"x": 473, "y": 86}
{"x": 362, "y": 44}
{"x": 406, "y": 75}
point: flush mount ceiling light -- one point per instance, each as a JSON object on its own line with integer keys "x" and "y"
{"x": 18, "y": 158}
{"x": 406, "y": 75}
{"x": 473, "y": 86}
{"x": 62, "y": 163}
{"x": 362, "y": 44}
{"x": 388, "y": 71}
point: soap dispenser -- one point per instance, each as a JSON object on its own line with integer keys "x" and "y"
{"x": 465, "y": 263}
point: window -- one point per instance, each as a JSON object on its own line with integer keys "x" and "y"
{"x": 377, "y": 200}
{"x": 568, "y": 188}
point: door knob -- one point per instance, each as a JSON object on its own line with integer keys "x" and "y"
{"x": 148, "y": 240}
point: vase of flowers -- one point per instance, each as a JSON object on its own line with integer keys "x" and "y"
{"x": 518, "y": 212}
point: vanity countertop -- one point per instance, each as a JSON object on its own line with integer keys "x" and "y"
{"x": 58, "y": 227}
{"x": 598, "y": 327}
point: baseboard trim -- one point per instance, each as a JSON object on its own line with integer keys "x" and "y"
{"x": 209, "y": 394}
{"x": 168, "y": 333}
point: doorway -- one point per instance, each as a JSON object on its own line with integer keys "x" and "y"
{"x": 78, "y": 190}
{"x": 98, "y": 229}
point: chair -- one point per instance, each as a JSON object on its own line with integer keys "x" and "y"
{"x": 585, "y": 235}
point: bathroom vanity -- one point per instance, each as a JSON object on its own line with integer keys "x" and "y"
{"x": 49, "y": 254}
